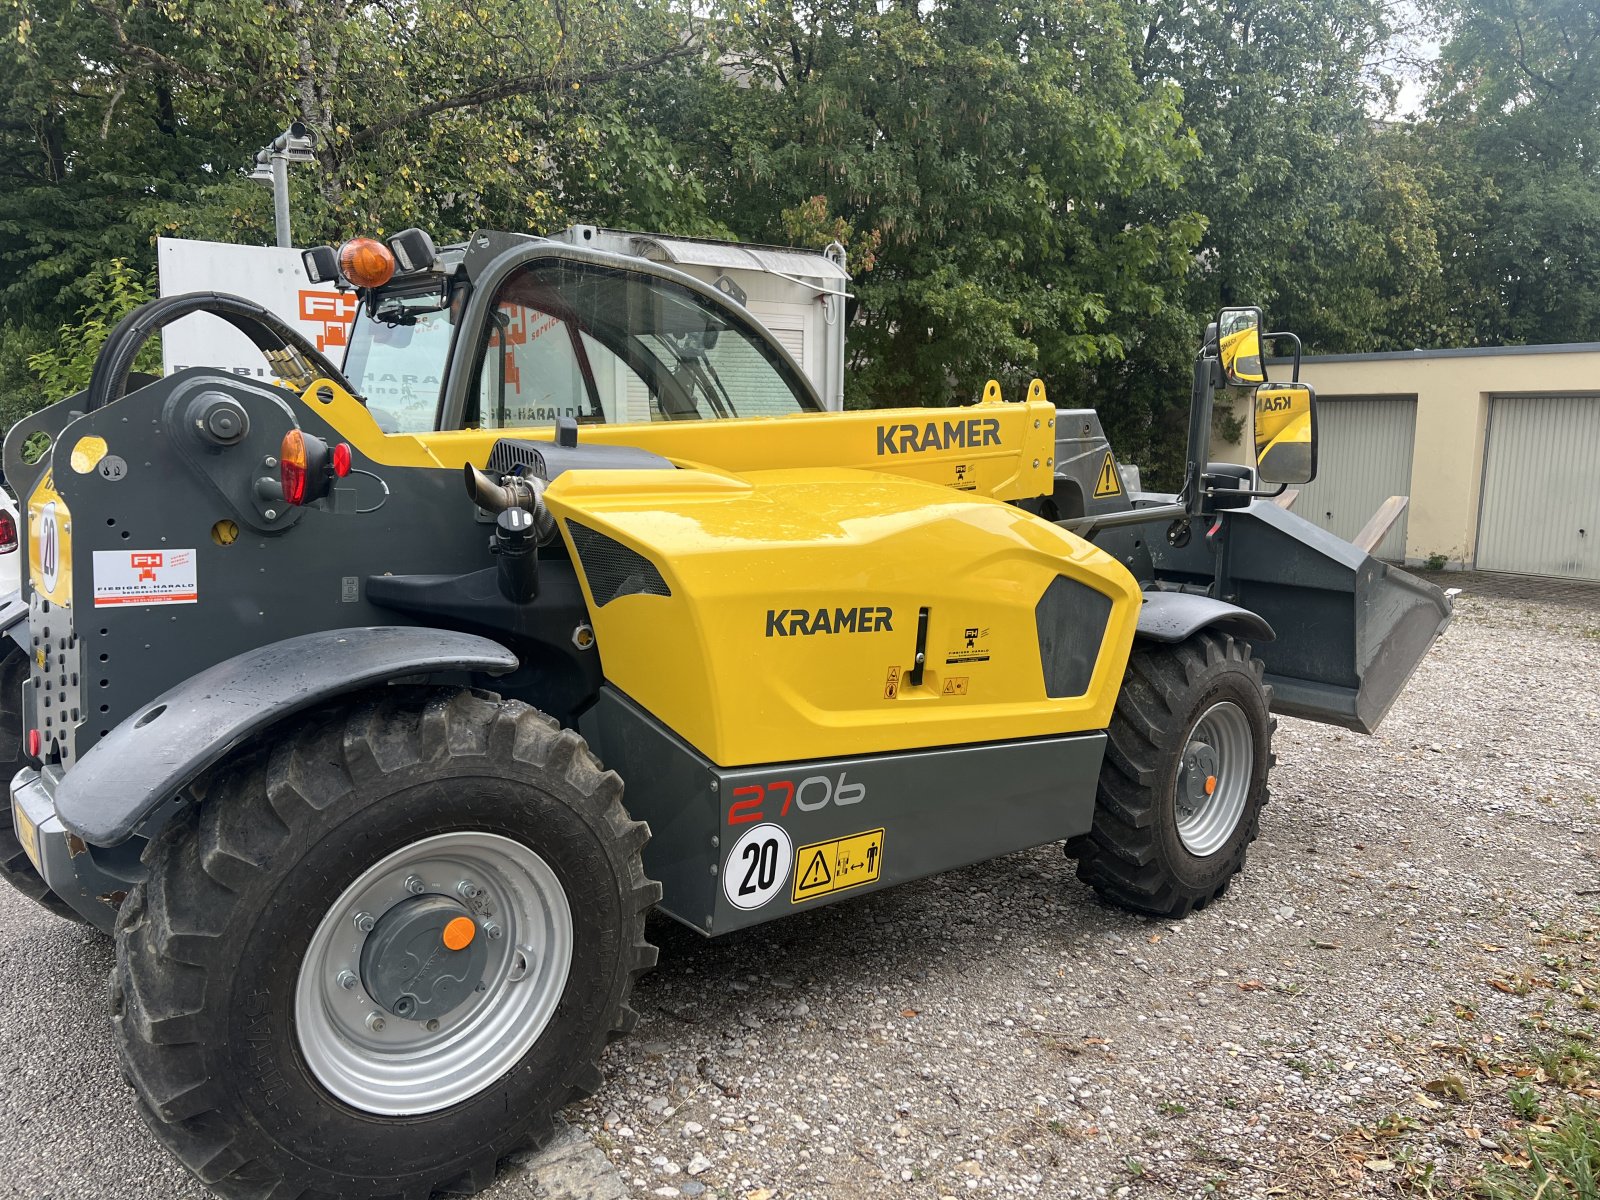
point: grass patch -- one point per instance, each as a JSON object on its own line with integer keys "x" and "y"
{"x": 1563, "y": 1161}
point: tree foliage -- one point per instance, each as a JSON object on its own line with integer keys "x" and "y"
{"x": 1066, "y": 188}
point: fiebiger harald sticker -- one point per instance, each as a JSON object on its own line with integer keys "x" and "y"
{"x": 144, "y": 577}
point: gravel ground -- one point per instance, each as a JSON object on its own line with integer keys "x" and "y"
{"x": 1334, "y": 1027}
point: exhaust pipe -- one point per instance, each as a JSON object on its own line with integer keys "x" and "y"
{"x": 513, "y": 491}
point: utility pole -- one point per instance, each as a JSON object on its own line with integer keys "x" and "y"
{"x": 294, "y": 144}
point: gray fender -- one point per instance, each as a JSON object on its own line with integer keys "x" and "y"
{"x": 1174, "y": 616}
{"x": 140, "y": 765}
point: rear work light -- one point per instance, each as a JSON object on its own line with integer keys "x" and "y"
{"x": 8, "y": 533}
{"x": 307, "y": 466}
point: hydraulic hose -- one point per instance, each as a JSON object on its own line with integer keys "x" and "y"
{"x": 281, "y": 342}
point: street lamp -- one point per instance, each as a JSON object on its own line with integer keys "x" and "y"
{"x": 294, "y": 144}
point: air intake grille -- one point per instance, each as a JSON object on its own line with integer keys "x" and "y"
{"x": 612, "y": 569}
{"x": 1072, "y": 621}
{"x": 510, "y": 457}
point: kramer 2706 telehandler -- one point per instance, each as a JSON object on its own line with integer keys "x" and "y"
{"x": 310, "y": 687}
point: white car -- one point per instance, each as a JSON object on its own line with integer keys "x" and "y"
{"x": 10, "y": 558}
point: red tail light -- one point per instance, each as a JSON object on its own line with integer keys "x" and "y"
{"x": 307, "y": 466}
{"x": 292, "y": 467}
{"x": 8, "y": 533}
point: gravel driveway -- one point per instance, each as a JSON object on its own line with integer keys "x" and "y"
{"x": 1344, "y": 1022}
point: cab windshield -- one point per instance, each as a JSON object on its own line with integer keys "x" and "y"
{"x": 601, "y": 343}
{"x": 565, "y": 338}
{"x": 397, "y": 356}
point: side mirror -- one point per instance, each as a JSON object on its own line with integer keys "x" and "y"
{"x": 1239, "y": 346}
{"x": 1286, "y": 433}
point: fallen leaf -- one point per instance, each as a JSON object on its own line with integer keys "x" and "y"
{"x": 1251, "y": 985}
{"x": 1379, "y": 1164}
{"x": 759, "y": 1194}
{"x": 1491, "y": 947}
{"x": 1500, "y": 985}
{"x": 908, "y": 1012}
{"x": 1321, "y": 945}
{"x": 1154, "y": 938}
{"x": 1428, "y": 1101}
{"x": 1449, "y": 1085}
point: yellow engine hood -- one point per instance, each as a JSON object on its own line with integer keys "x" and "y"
{"x": 791, "y": 630}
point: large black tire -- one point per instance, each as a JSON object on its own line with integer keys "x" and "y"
{"x": 209, "y": 948}
{"x": 1134, "y": 856}
{"x": 14, "y": 864}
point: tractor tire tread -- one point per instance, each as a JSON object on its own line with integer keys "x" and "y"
{"x": 1118, "y": 856}
{"x": 203, "y": 858}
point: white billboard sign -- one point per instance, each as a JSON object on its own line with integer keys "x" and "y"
{"x": 271, "y": 276}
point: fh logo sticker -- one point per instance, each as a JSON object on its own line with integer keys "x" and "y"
{"x": 334, "y": 311}
{"x": 125, "y": 577}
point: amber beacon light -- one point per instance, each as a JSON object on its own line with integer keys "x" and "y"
{"x": 366, "y": 262}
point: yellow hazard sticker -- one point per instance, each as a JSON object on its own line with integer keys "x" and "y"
{"x": 891, "y": 685}
{"x": 28, "y": 835}
{"x": 955, "y": 685}
{"x": 833, "y": 866}
{"x": 1107, "y": 484}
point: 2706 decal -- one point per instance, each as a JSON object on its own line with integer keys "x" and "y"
{"x": 761, "y": 801}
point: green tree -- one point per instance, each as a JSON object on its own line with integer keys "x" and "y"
{"x": 1515, "y": 124}
{"x": 992, "y": 163}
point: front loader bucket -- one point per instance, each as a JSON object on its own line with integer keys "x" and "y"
{"x": 1351, "y": 629}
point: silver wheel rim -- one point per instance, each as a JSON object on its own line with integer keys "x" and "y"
{"x": 1221, "y": 738}
{"x": 407, "y": 1067}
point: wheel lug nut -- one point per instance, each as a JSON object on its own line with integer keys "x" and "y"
{"x": 467, "y": 890}
{"x": 375, "y": 1022}
{"x": 415, "y": 886}
{"x": 365, "y": 922}
{"x": 492, "y": 931}
{"x": 347, "y": 980}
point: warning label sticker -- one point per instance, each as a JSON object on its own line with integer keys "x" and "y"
{"x": 144, "y": 577}
{"x": 833, "y": 866}
{"x": 1107, "y": 484}
{"x": 954, "y": 685}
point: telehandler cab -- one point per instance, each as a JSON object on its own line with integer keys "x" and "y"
{"x": 318, "y": 738}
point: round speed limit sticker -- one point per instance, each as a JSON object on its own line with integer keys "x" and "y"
{"x": 757, "y": 868}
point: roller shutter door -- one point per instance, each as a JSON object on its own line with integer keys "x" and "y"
{"x": 1540, "y": 513}
{"x": 1364, "y": 446}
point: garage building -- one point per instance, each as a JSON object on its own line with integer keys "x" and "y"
{"x": 1497, "y": 448}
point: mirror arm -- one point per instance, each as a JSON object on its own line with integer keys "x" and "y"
{"x": 1254, "y": 495}
{"x": 1293, "y": 337}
